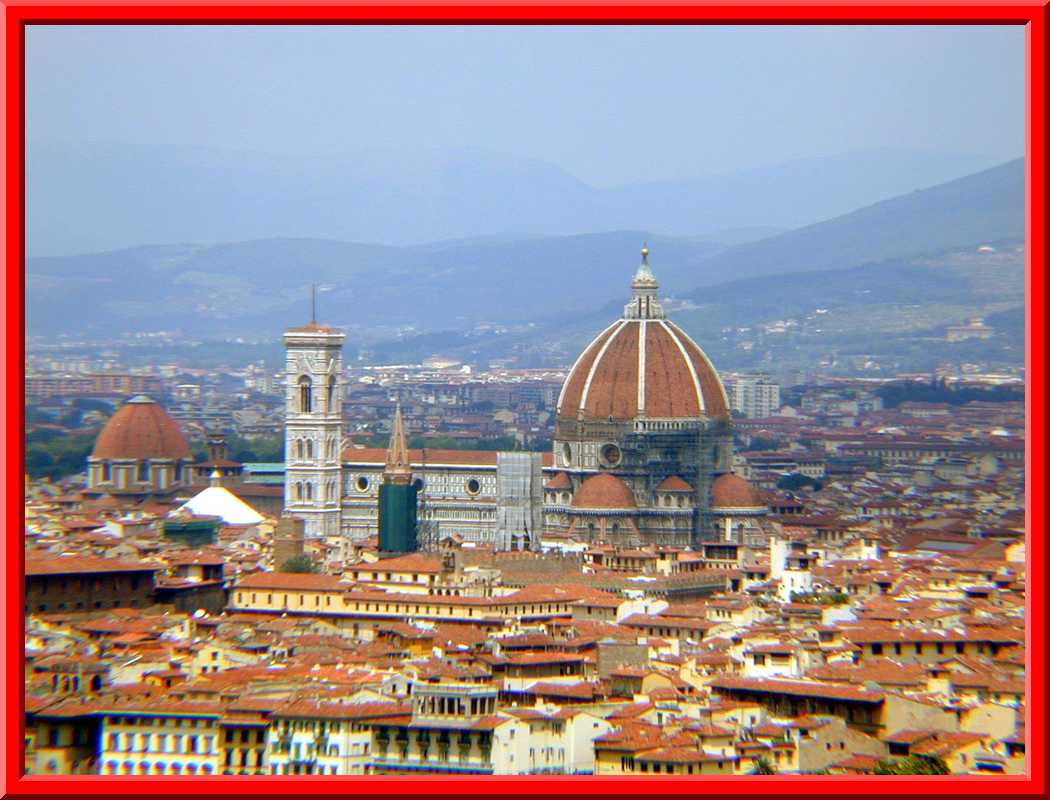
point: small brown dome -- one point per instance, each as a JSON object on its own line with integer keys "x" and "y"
{"x": 603, "y": 491}
{"x": 560, "y": 481}
{"x": 673, "y": 484}
{"x": 141, "y": 429}
{"x": 732, "y": 491}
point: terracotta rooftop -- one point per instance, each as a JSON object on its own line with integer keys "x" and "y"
{"x": 797, "y": 688}
{"x": 301, "y": 581}
{"x": 81, "y": 564}
{"x": 411, "y": 562}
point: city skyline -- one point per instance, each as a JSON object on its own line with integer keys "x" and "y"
{"x": 665, "y": 413}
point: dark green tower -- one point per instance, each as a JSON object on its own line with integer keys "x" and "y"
{"x": 397, "y": 496}
{"x": 397, "y": 518}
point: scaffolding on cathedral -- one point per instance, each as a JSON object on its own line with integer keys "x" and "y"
{"x": 519, "y": 502}
{"x": 428, "y": 529}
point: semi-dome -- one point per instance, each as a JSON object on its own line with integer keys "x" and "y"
{"x": 141, "y": 429}
{"x": 604, "y": 491}
{"x": 559, "y": 481}
{"x": 732, "y": 491}
{"x": 642, "y": 366}
{"x": 673, "y": 484}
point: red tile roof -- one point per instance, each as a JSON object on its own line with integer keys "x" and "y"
{"x": 797, "y": 688}
{"x": 81, "y": 564}
{"x": 295, "y": 581}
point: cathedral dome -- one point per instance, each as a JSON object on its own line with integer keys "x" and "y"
{"x": 642, "y": 366}
{"x": 141, "y": 429}
{"x": 732, "y": 491}
{"x": 604, "y": 491}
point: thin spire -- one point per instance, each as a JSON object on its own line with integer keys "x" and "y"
{"x": 398, "y": 466}
{"x": 313, "y": 303}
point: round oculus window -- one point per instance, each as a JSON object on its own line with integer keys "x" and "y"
{"x": 611, "y": 455}
{"x": 361, "y": 483}
{"x": 473, "y": 486}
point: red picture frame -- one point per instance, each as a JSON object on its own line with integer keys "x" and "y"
{"x": 18, "y": 14}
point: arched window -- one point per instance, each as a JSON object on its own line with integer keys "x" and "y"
{"x": 143, "y": 471}
{"x": 309, "y": 491}
{"x": 299, "y": 449}
{"x": 306, "y": 400}
{"x": 309, "y": 449}
{"x": 106, "y": 476}
{"x": 299, "y": 491}
{"x": 331, "y": 395}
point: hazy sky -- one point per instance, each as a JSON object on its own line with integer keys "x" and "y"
{"x": 609, "y": 104}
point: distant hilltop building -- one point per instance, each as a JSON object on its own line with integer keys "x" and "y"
{"x": 642, "y": 432}
{"x": 973, "y": 329}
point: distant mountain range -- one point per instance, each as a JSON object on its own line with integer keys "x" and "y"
{"x": 974, "y": 209}
{"x": 257, "y": 288}
{"x": 85, "y": 196}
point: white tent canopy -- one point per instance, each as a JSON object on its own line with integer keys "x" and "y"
{"x": 215, "y": 501}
